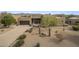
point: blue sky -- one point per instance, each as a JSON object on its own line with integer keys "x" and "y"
{"x": 40, "y": 6}
{"x": 46, "y": 12}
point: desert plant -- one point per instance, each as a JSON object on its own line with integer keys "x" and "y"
{"x": 20, "y": 40}
{"x": 76, "y": 23}
{"x": 60, "y": 37}
{"x": 30, "y": 30}
{"x": 18, "y": 43}
{"x": 7, "y": 19}
{"x": 37, "y": 45}
{"x": 22, "y": 37}
{"x": 43, "y": 35}
{"x": 49, "y": 31}
{"x": 39, "y": 30}
{"x": 75, "y": 27}
{"x": 49, "y": 20}
{"x": 56, "y": 31}
{"x": 2, "y": 30}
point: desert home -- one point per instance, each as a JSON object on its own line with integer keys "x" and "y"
{"x": 28, "y": 19}
{"x": 23, "y": 29}
{"x": 72, "y": 20}
{"x": 35, "y": 19}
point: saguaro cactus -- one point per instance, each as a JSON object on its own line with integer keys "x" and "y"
{"x": 49, "y": 31}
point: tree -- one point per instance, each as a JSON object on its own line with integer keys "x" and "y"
{"x": 68, "y": 16}
{"x": 49, "y": 20}
{"x": 7, "y": 19}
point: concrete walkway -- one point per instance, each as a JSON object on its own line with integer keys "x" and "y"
{"x": 7, "y": 38}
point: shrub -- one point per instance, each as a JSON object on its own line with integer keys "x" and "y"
{"x": 56, "y": 31}
{"x": 37, "y": 45}
{"x": 7, "y": 20}
{"x": 2, "y": 30}
{"x": 22, "y": 36}
{"x": 30, "y": 30}
{"x": 75, "y": 27}
{"x": 59, "y": 36}
{"x": 18, "y": 43}
{"x": 77, "y": 24}
{"x": 43, "y": 35}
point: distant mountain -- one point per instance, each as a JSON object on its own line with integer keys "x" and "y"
{"x": 43, "y": 12}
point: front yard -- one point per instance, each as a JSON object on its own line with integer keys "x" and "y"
{"x": 70, "y": 38}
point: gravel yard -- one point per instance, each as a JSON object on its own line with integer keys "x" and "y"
{"x": 70, "y": 38}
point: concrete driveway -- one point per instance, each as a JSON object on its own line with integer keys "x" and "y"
{"x": 7, "y": 38}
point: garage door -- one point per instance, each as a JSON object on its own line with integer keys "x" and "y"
{"x": 24, "y": 23}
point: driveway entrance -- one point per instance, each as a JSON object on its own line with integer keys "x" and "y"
{"x": 36, "y": 21}
{"x": 9, "y": 37}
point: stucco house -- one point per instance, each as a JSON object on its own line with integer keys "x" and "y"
{"x": 29, "y": 19}
{"x": 72, "y": 20}
{"x": 24, "y": 20}
{"x": 35, "y": 19}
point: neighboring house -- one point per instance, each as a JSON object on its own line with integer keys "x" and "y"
{"x": 72, "y": 20}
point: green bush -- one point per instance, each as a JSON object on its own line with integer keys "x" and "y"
{"x": 22, "y": 36}
{"x": 49, "y": 20}
{"x": 2, "y": 30}
{"x": 7, "y": 19}
{"x": 75, "y": 27}
{"x": 18, "y": 43}
{"x": 37, "y": 45}
{"x": 77, "y": 24}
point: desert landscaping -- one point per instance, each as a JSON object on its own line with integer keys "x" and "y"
{"x": 70, "y": 39}
{"x": 37, "y": 30}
